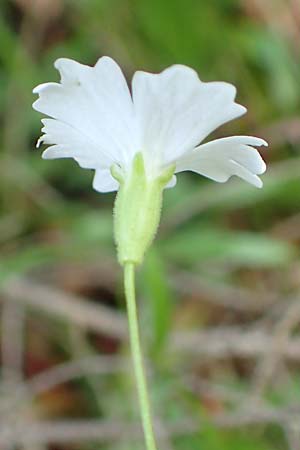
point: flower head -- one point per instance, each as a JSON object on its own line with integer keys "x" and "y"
{"x": 95, "y": 119}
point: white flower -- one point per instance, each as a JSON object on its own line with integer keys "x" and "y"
{"x": 98, "y": 122}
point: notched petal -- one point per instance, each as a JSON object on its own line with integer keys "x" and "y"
{"x": 175, "y": 111}
{"x": 223, "y": 158}
{"x": 91, "y": 112}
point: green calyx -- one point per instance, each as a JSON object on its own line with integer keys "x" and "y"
{"x": 137, "y": 209}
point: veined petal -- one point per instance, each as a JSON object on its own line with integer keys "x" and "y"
{"x": 94, "y": 120}
{"x": 68, "y": 142}
{"x": 222, "y": 158}
{"x": 175, "y": 111}
{"x": 92, "y": 106}
{"x": 104, "y": 182}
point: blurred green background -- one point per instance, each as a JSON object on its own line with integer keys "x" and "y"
{"x": 218, "y": 293}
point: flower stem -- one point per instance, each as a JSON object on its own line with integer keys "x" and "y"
{"x": 129, "y": 283}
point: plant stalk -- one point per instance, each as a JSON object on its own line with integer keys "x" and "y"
{"x": 145, "y": 411}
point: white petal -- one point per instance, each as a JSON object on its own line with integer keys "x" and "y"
{"x": 172, "y": 182}
{"x": 176, "y": 111}
{"x": 222, "y": 158}
{"x": 104, "y": 182}
{"x": 93, "y": 108}
{"x": 71, "y": 144}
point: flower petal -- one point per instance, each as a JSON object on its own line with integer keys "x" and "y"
{"x": 67, "y": 142}
{"x": 172, "y": 182}
{"x": 104, "y": 182}
{"x": 222, "y": 158}
{"x": 93, "y": 108}
{"x": 176, "y": 111}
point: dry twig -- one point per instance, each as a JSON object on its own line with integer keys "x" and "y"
{"x": 72, "y": 307}
{"x": 279, "y": 341}
{"x": 95, "y": 430}
{"x": 219, "y": 342}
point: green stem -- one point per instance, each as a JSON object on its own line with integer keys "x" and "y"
{"x": 137, "y": 356}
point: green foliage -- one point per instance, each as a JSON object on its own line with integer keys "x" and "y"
{"x": 243, "y": 249}
{"x": 159, "y": 299}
